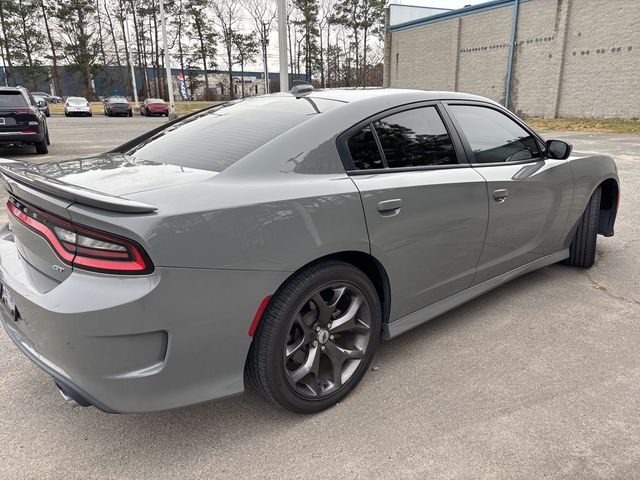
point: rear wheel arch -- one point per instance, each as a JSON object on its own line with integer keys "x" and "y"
{"x": 610, "y": 192}
{"x": 364, "y": 262}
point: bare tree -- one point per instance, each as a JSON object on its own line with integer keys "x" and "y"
{"x": 227, "y": 18}
{"x": 263, "y": 13}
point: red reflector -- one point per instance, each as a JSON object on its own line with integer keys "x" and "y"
{"x": 28, "y": 132}
{"x": 256, "y": 318}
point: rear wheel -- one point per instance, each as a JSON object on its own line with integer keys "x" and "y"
{"x": 131, "y": 114}
{"x": 47, "y": 137}
{"x": 66, "y": 114}
{"x": 582, "y": 252}
{"x": 317, "y": 338}
{"x": 41, "y": 147}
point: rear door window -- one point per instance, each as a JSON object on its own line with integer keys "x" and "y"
{"x": 494, "y": 137}
{"x": 415, "y": 138}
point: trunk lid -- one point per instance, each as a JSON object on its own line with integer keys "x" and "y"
{"x": 103, "y": 181}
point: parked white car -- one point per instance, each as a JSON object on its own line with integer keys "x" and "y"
{"x": 77, "y": 106}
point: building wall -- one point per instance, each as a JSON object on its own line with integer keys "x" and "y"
{"x": 572, "y": 57}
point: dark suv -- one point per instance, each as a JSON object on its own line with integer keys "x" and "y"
{"x": 21, "y": 122}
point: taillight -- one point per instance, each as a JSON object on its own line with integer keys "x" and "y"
{"x": 81, "y": 246}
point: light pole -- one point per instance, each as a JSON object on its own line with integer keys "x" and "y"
{"x": 133, "y": 71}
{"x": 265, "y": 44}
{"x": 167, "y": 63}
{"x": 282, "y": 45}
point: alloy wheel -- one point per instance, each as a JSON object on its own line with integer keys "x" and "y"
{"x": 327, "y": 340}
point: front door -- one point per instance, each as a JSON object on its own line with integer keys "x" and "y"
{"x": 529, "y": 195}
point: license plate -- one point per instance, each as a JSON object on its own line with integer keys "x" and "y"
{"x": 2, "y": 121}
{"x": 7, "y": 301}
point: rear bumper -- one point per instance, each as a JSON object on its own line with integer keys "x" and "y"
{"x": 80, "y": 111}
{"x": 116, "y": 110}
{"x": 19, "y": 137}
{"x": 136, "y": 344}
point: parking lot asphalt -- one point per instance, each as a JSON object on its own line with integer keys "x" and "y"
{"x": 539, "y": 378}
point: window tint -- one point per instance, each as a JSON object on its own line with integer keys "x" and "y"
{"x": 218, "y": 137}
{"x": 493, "y": 136}
{"x": 364, "y": 150}
{"x": 11, "y": 99}
{"x": 415, "y": 138}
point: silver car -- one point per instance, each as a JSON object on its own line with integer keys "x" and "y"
{"x": 284, "y": 236}
{"x": 77, "y": 106}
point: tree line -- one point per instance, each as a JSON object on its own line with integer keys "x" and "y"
{"x": 333, "y": 42}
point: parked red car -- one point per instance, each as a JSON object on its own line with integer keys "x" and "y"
{"x": 154, "y": 106}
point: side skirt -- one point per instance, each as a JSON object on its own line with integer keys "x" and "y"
{"x": 406, "y": 323}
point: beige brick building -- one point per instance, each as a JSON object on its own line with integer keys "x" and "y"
{"x": 571, "y": 57}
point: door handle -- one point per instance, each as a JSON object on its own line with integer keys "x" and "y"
{"x": 390, "y": 207}
{"x": 500, "y": 195}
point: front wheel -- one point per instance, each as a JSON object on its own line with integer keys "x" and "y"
{"x": 317, "y": 337}
{"x": 582, "y": 252}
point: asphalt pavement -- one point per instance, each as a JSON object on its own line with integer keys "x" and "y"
{"x": 539, "y": 378}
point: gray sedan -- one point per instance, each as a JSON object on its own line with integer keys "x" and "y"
{"x": 282, "y": 236}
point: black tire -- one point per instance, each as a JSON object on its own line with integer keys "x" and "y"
{"x": 47, "y": 137}
{"x": 47, "y": 114}
{"x": 66, "y": 114}
{"x": 41, "y": 147}
{"x": 91, "y": 114}
{"x": 582, "y": 252}
{"x": 267, "y": 365}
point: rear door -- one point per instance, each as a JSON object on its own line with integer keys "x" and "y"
{"x": 426, "y": 212}
{"x": 529, "y": 195}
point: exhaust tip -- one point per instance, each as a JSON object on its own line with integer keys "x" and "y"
{"x": 69, "y": 400}
{"x": 72, "y": 397}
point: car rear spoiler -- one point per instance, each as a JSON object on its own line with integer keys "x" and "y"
{"x": 72, "y": 193}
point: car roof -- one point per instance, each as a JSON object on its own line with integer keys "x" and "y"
{"x": 349, "y": 95}
{"x": 12, "y": 89}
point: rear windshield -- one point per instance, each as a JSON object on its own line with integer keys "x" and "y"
{"x": 155, "y": 100}
{"x": 11, "y": 99}
{"x": 219, "y": 137}
{"x": 76, "y": 100}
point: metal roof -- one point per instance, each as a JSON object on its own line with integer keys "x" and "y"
{"x": 481, "y": 7}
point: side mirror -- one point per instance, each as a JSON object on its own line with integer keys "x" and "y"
{"x": 558, "y": 149}
{"x": 42, "y": 103}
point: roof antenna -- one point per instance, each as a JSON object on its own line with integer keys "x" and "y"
{"x": 301, "y": 89}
